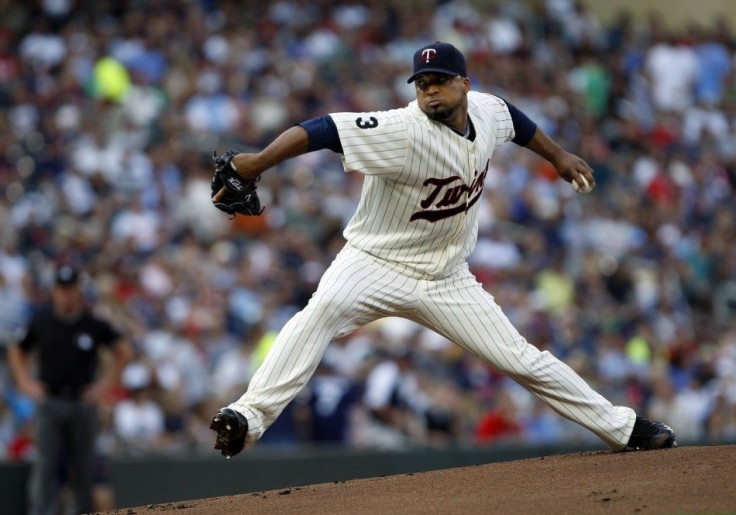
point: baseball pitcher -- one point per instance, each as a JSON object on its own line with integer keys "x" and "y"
{"x": 407, "y": 244}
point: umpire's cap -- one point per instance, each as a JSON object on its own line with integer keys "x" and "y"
{"x": 67, "y": 276}
{"x": 440, "y": 58}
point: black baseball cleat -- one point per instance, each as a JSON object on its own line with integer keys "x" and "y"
{"x": 648, "y": 435}
{"x": 231, "y": 428}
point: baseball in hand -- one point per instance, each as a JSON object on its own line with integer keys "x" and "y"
{"x": 585, "y": 189}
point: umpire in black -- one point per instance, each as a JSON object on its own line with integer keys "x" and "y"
{"x": 66, "y": 340}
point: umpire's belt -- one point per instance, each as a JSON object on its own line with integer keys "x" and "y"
{"x": 66, "y": 392}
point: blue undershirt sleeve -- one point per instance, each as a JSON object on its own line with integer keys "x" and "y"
{"x": 322, "y": 133}
{"x": 524, "y": 128}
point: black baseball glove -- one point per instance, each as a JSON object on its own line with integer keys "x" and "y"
{"x": 241, "y": 196}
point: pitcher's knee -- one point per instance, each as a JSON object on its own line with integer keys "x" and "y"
{"x": 525, "y": 361}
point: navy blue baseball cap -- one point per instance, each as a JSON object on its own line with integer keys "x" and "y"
{"x": 439, "y": 58}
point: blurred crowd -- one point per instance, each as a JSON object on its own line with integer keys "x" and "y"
{"x": 109, "y": 114}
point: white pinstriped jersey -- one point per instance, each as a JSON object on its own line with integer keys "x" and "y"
{"x": 418, "y": 208}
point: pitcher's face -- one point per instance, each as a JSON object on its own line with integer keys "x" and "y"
{"x": 440, "y": 96}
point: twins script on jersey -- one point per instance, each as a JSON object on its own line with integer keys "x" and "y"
{"x": 418, "y": 208}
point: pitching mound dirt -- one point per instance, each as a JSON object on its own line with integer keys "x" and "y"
{"x": 683, "y": 480}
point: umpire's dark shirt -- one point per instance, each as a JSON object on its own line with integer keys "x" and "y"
{"x": 67, "y": 349}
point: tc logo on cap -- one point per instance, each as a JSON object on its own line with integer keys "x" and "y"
{"x": 439, "y": 57}
{"x": 428, "y": 54}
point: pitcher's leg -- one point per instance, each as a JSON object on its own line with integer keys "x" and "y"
{"x": 352, "y": 292}
{"x": 462, "y": 311}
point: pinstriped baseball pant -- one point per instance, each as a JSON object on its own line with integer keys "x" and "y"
{"x": 357, "y": 289}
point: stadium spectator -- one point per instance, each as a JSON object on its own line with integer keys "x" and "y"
{"x": 139, "y": 420}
